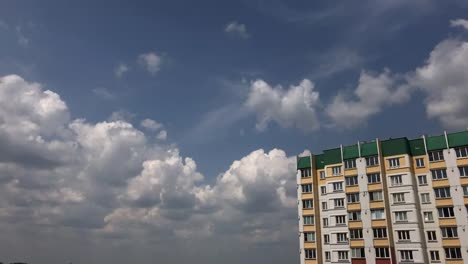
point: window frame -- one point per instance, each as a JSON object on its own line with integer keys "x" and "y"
{"x": 425, "y": 198}
{"x": 401, "y": 216}
{"x": 442, "y": 193}
{"x": 422, "y": 180}
{"x": 372, "y": 161}
{"x": 449, "y": 210}
{"x": 420, "y": 162}
{"x": 461, "y": 152}
{"x": 394, "y": 163}
{"x": 439, "y": 174}
{"x": 349, "y": 164}
{"x": 436, "y": 155}
{"x": 373, "y": 176}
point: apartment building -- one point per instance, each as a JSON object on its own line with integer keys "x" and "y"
{"x": 385, "y": 201}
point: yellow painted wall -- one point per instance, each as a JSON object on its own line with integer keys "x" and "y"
{"x": 357, "y": 243}
{"x": 355, "y": 224}
{"x": 440, "y": 183}
{"x": 444, "y": 202}
{"x": 352, "y": 189}
{"x": 354, "y": 206}
{"x": 350, "y": 172}
{"x": 374, "y": 205}
{"x": 451, "y": 242}
{"x": 447, "y": 221}
{"x": 380, "y": 242}
{"x": 462, "y": 162}
{"x": 437, "y": 164}
{"x": 374, "y": 187}
{"x": 378, "y": 223}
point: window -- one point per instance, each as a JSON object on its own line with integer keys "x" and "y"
{"x": 327, "y": 256}
{"x": 375, "y": 196}
{"x": 305, "y": 173}
{"x": 326, "y": 239}
{"x": 372, "y": 161}
{"x": 309, "y": 236}
{"x": 462, "y": 152}
{"x": 342, "y": 237}
{"x": 350, "y": 164}
{"x": 465, "y": 190}
{"x": 338, "y": 186}
{"x": 352, "y": 197}
{"x": 382, "y": 253}
{"x": 342, "y": 255}
{"x": 463, "y": 171}
{"x": 373, "y": 178}
{"x": 434, "y": 255}
{"x": 422, "y": 180}
{"x": 323, "y": 189}
{"x": 425, "y": 198}
{"x": 404, "y": 235}
{"x": 449, "y": 232}
{"x": 377, "y": 214}
{"x": 380, "y": 232}
{"x": 351, "y": 181}
{"x": 308, "y": 204}
{"x": 394, "y": 163}
{"x": 398, "y": 197}
{"x": 439, "y": 174}
{"x": 339, "y": 203}
{"x": 340, "y": 220}
{"x": 442, "y": 192}
{"x": 309, "y": 220}
{"x": 306, "y": 188}
{"x": 431, "y": 236}
{"x": 420, "y": 162}
{"x": 445, "y": 212}
{"x": 436, "y": 155}
{"x": 325, "y": 222}
{"x": 354, "y": 216}
{"x": 310, "y": 253}
{"x": 322, "y": 175}
{"x": 401, "y": 216}
{"x": 355, "y": 233}
{"x": 358, "y": 253}
{"x": 428, "y": 217}
{"x": 406, "y": 255}
{"x": 324, "y": 205}
{"x": 453, "y": 253}
{"x": 396, "y": 180}
{"x": 336, "y": 170}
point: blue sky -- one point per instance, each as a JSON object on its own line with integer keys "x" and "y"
{"x": 74, "y": 48}
{"x": 223, "y": 80}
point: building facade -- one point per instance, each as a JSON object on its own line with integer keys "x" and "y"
{"x": 386, "y": 201}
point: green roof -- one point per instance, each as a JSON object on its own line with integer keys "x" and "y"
{"x": 436, "y": 143}
{"x": 369, "y": 149}
{"x": 458, "y": 139}
{"x": 303, "y": 162}
{"x": 319, "y": 161}
{"x": 332, "y": 156}
{"x": 417, "y": 147}
{"x": 350, "y": 152}
{"x": 395, "y": 146}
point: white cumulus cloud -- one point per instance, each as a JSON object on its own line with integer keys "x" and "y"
{"x": 293, "y": 107}
{"x": 459, "y": 23}
{"x": 373, "y": 93}
{"x": 444, "y": 80}
{"x": 151, "y": 61}
{"x": 237, "y": 29}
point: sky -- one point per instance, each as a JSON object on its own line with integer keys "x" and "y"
{"x": 167, "y": 131}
